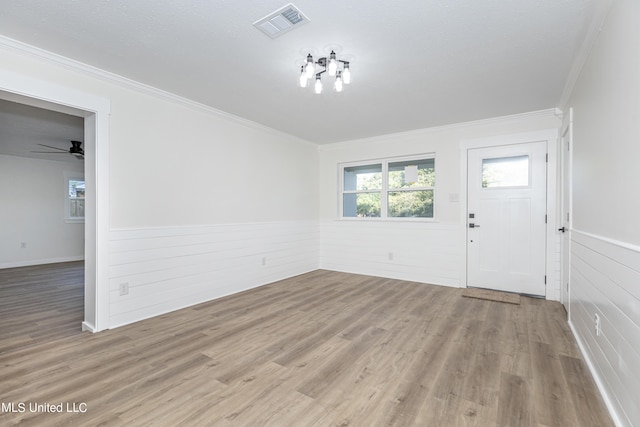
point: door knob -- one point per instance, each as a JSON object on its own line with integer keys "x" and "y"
{"x": 563, "y": 229}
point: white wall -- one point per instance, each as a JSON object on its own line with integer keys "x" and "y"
{"x": 176, "y": 166}
{"x": 32, "y": 192}
{"x": 607, "y": 129}
{"x": 431, "y": 252}
{"x": 605, "y": 259}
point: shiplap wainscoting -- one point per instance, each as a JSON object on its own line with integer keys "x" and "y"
{"x": 605, "y": 278}
{"x": 170, "y": 268}
{"x": 417, "y": 251}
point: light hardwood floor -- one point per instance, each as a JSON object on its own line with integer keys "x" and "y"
{"x": 320, "y": 349}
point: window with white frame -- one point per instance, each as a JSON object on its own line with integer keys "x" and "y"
{"x": 362, "y": 191}
{"x": 392, "y": 188}
{"x": 74, "y": 203}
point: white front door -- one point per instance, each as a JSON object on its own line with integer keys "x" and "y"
{"x": 506, "y": 218}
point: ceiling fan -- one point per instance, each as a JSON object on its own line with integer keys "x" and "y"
{"x": 75, "y": 150}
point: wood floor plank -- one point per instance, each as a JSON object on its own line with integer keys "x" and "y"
{"x": 454, "y": 411}
{"x": 589, "y": 409}
{"x": 515, "y": 354}
{"x": 319, "y": 349}
{"x": 373, "y": 373}
{"x": 515, "y": 403}
{"x": 550, "y": 389}
{"x": 332, "y": 371}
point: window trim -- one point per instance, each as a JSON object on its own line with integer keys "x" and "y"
{"x": 385, "y": 190}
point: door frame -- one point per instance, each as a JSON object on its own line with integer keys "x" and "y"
{"x": 565, "y": 207}
{"x": 551, "y": 247}
{"x": 95, "y": 110}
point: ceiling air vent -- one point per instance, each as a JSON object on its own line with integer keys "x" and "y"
{"x": 281, "y": 21}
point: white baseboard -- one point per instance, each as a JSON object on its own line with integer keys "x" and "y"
{"x": 28, "y": 263}
{"x": 87, "y": 327}
{"x": 594, "y": 373}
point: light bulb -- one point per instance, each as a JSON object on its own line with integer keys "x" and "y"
{"x": 346, "y": 74}
{"x": 333, "y": 67}
{"x": 310, "y": 67}
{"x": 318, "y": 86}
{"x": 333, "y": 64}
{"x": 337, "y": 86}
{"x": 303, "y": 77}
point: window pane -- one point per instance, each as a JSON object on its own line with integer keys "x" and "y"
{"x": 361, "y": 205}
{"x": 411, "y": 204}
{"x": 505, "y": 172}
{"x": 76, "y": 208}
{"x": 412, "y": 173}
{"x": 76, "y": 188}
{"x": 76, "y": 198}
{"x": 368, "y": 177}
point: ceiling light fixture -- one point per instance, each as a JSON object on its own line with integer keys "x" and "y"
{"x": 331, "y": 65}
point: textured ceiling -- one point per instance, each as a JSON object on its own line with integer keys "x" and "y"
{"x": 415, "y": 64}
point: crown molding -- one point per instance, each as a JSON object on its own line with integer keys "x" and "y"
{"x": 602, "y": 8}
{"x": 34, "y": 52}
{"x": 549, "y": 112}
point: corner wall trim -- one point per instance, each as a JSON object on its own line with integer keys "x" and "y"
{"x": 87, "y": 327}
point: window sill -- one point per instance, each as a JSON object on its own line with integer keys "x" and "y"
{"x": 405, "y": 220}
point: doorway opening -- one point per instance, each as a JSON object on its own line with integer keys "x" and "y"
{"x": 95, "y": 112}
{"x": 42, "y": 246}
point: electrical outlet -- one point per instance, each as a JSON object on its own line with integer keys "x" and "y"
{"x": 23, "y": 245}
{"x": 597, "y": 326}
{"x": 390, "y": 256}
{"x": 264, "y": 260}
{"x": 124, "y": 288}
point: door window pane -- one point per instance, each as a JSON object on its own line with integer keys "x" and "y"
{"x": 505, "y": 172}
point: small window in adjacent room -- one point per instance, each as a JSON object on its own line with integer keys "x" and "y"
{"x": 75, "y": 199}
{"x": 394, "y": 188}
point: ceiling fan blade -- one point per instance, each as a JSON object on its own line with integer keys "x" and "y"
{"x": 50, "y": 152}
{"x": 55, "y": 148}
